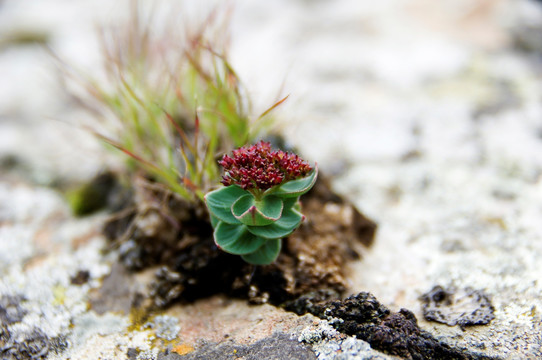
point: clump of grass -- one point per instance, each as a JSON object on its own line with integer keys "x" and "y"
{"x": 171, "y": 100}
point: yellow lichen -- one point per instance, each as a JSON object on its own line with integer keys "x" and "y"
{"x": 183, "y": 349}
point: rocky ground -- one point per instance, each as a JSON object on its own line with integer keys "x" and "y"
{"x": 427, "y": 114}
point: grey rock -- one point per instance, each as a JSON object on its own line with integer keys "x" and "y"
{"x": 169, "y": 356}
{"x": 10, "y": 311}
{"x": 278, "y": 346}
{"x": 165, "y": 327}
{"x": 116, "y": 292}
{"x": 461, "y": 307}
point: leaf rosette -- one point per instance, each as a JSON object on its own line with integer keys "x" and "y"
{"x": 249, "y": 217}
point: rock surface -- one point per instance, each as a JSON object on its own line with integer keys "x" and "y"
{"x": 427, "y": 113}
{"x": 463, "y": 307}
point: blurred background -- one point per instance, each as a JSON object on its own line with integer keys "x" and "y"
{"x": 368, "y": 82}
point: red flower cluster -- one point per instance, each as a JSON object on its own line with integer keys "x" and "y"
{"x": 260, "y": 167}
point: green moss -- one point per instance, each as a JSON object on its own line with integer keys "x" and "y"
{"x": 93, "y": 196}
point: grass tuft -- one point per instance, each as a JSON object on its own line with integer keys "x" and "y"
{"x": 171, "y": 101}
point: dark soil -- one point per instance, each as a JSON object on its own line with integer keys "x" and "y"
{"x": 395, "y": 333}
{"x": 177, "y": 235}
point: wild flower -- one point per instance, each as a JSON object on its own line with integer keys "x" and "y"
{"x": 259, "y": 204}
{"x": 258, "y": 167}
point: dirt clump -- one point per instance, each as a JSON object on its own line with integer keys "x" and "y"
{"x": 395, "y": 333}
{"x": 159, "y": 229}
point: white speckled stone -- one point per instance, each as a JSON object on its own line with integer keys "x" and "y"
{"x": 424, "y": 111}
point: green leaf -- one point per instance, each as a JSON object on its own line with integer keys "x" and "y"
{"x": 235, "y": 239}
{"x": 249, "y": 211}
{"x": 295, "y": 188}
{"x": 266, "y": 254}
{"x": 243, "y": 204}
{"x": 283, "y": 227}
{"x": 270, "y": 206}
{"x": 220, "y": 202}
{"x": 214, "y": 221}
{"x": 291, "y": 203}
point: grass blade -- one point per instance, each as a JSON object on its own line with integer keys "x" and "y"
{"x": 273, "y": 107}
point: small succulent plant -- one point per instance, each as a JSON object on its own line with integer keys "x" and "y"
{"x": 259, "y": 204}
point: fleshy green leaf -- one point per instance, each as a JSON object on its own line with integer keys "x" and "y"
{"x": 266, "y": 254}
{"x": 270, "y": 206}
{"x": 214, "y": 221}
{"x": 291, "y": 203}
{"x": 283, "y": 227}
{"x": 249, "y": 211}
{"x": 236, "y": 239}
{"x": 295, "y": 188}
{"x": 242, "y": 205}
{"x": 220, "y": 202}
